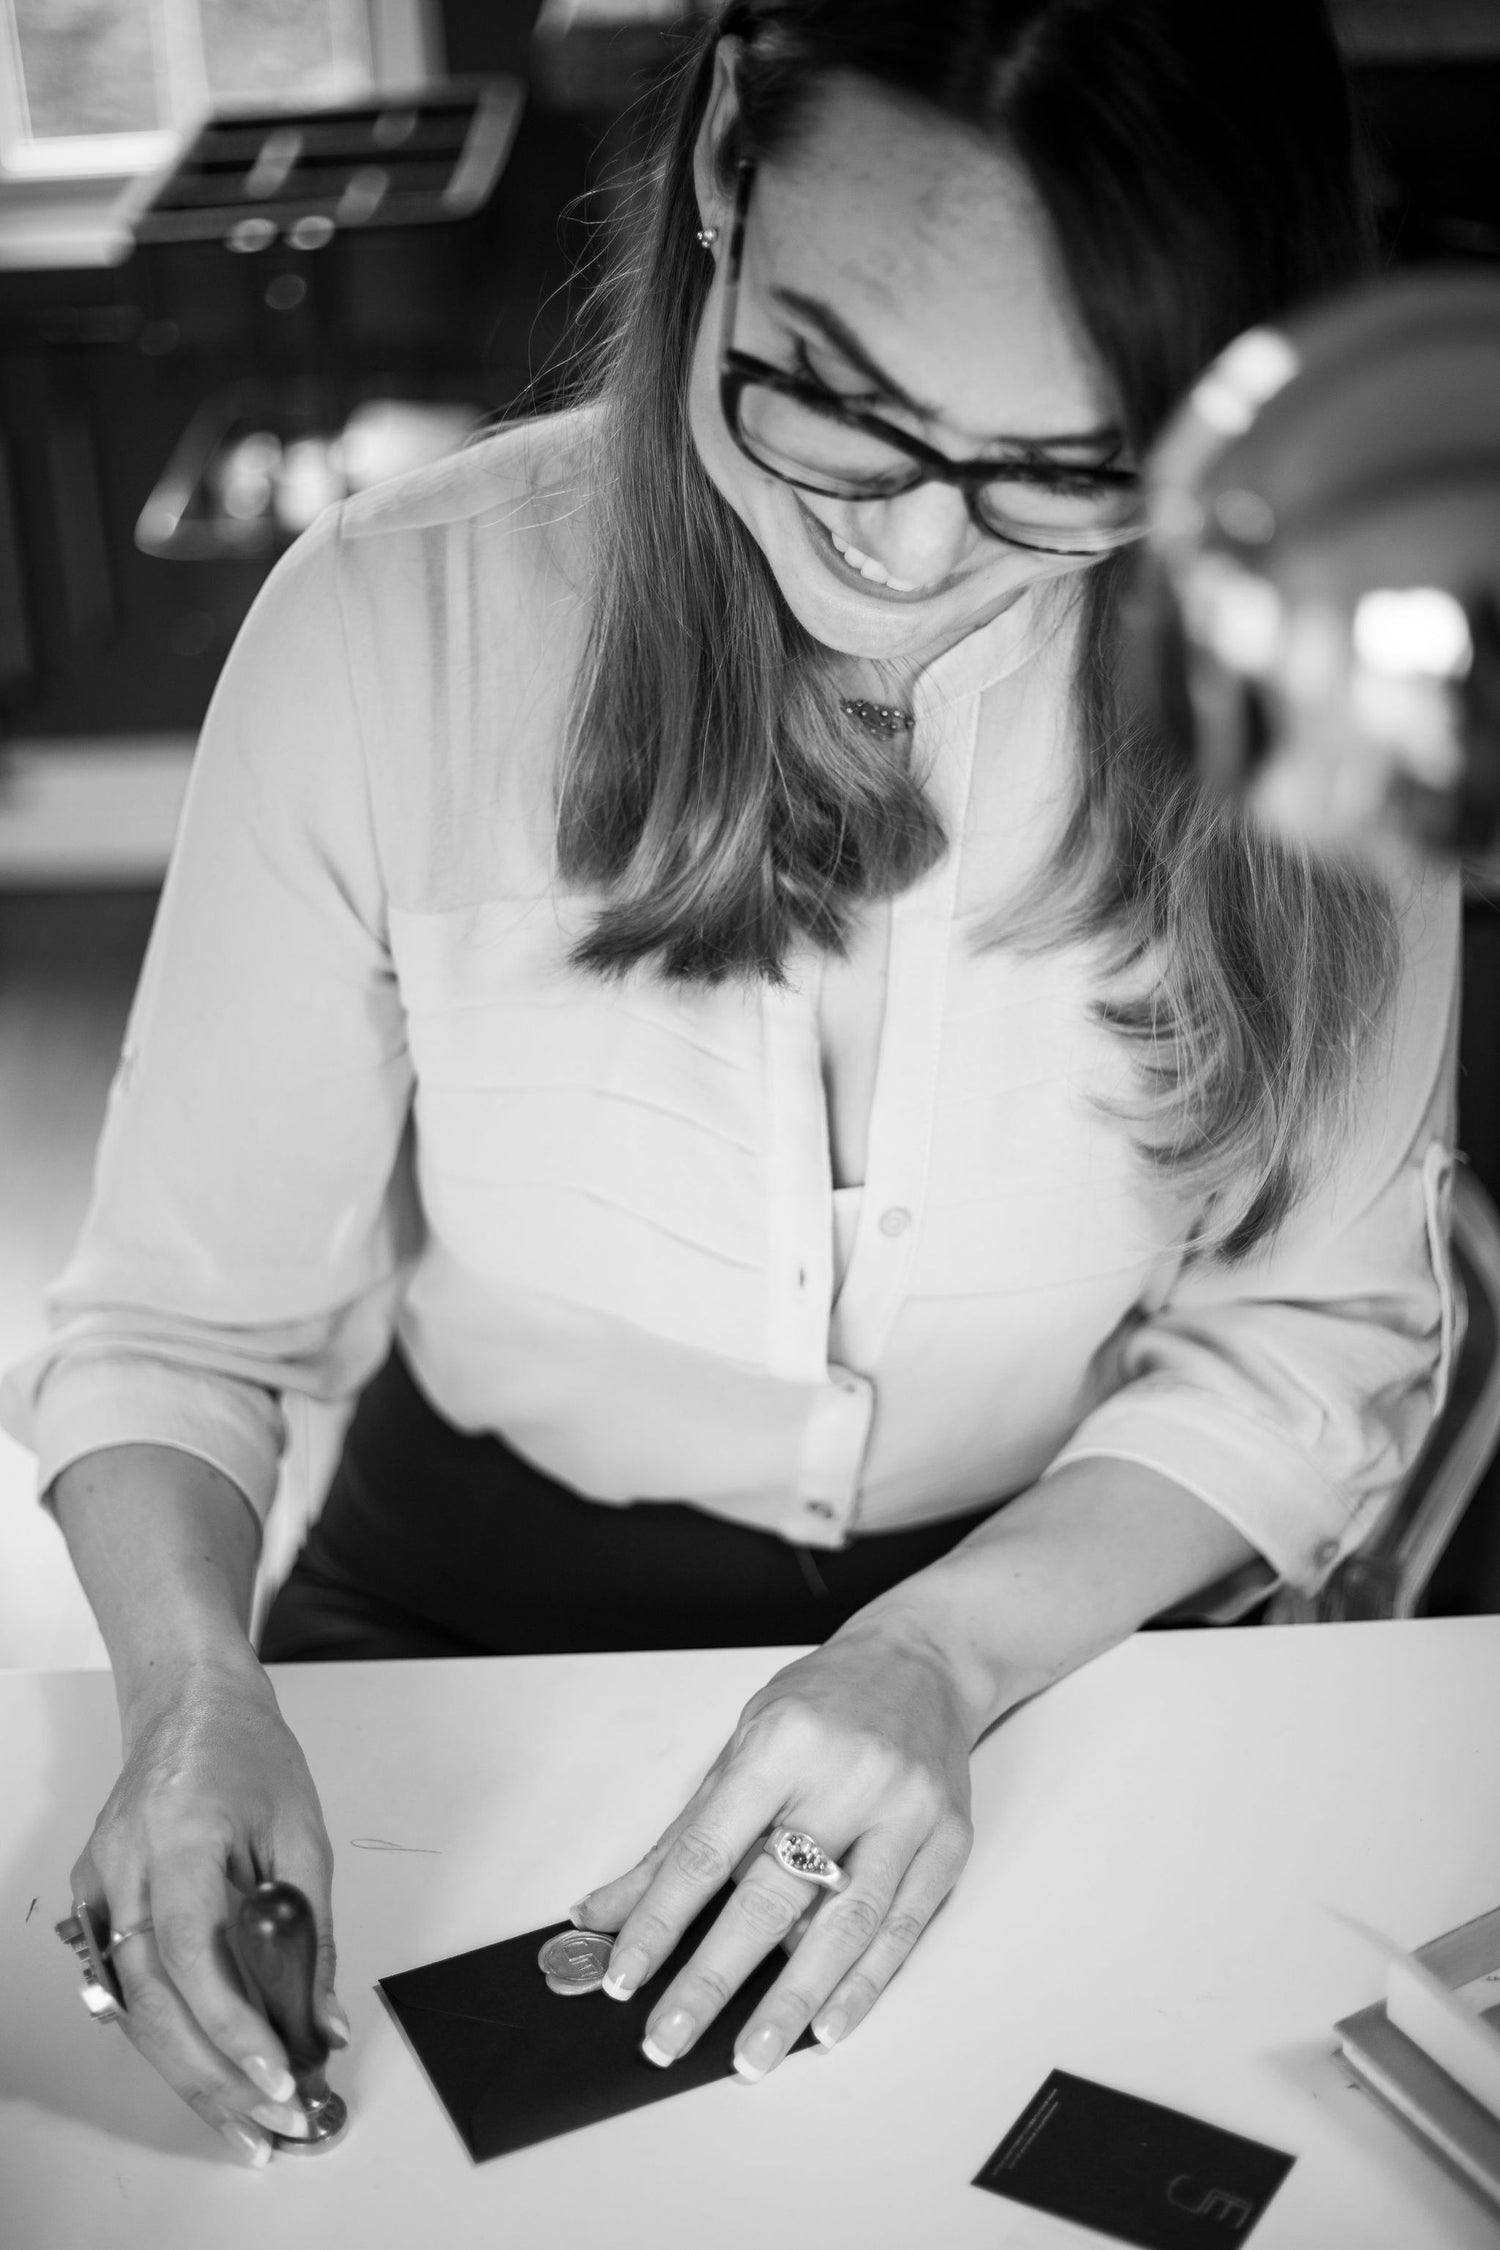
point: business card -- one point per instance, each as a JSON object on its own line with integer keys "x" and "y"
{"x": 1132, "y": 2168}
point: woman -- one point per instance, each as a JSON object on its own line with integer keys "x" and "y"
{"x": 674, "y": 918}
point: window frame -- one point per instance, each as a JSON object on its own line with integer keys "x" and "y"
{"x": 68, "y": 202}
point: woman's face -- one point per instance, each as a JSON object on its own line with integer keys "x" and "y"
{"x": 910, "y": 268}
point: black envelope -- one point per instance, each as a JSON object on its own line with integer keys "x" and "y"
{"x": 513, "y": 2062}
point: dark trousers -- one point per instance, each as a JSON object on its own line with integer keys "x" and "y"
{"x": 435, "y": 1543}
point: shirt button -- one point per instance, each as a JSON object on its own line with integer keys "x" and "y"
{"x": 896, "y": 1220}
{"x": 849, "y": 1383}
{"x": 1325, "y": 1552}
{"x": 821, "y": 1509}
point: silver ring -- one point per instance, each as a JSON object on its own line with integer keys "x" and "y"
{"x": 801, "y": 1854}
{"x": 117, "y": 1937}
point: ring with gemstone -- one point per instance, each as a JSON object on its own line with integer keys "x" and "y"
{"x": 801, "y": 1854}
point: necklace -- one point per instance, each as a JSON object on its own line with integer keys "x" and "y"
{"x": 876, "y": 718}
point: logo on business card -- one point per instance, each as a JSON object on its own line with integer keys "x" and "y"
{"x": 1213, "y": 2203}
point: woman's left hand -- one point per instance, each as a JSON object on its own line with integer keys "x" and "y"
{"x": 864, "y": 1745}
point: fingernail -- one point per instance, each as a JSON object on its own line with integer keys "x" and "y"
{"x": 272, "y": 2078}
{"x": 830, "y": 2029}
{"x": 761, "y": 2052}
{"x": 249, "y": 2147}
{"x": 667, "y": 2037}
{"x": 626, "y": 1971}
{"x": 285, "y": 2118}
{"x": 336, "y": 2020}
{"x": 579, "y": 1914}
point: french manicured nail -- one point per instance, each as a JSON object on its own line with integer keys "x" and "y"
{"x": 336, "y": 2020}
{"x": 272, "y": 2078}
{"x": 249, "y": 2147}
{"x": 667, "y": 2037}
{"x": 761, "y": 2052}
{"x": 626, "y": 1971}
{"x": 284, "y": 2118}
{"x": 830, "y": 2028}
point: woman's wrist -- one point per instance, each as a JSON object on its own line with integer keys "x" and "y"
{"x": 187, "y": 1681}
{"x": 1060, "y": 1574}
{"x": 939, "y": 1621}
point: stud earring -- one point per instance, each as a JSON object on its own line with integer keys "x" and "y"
{"x": 707, "y": 237}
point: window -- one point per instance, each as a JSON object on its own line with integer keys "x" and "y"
{"x": 108, "y": 85}
{"x": 94, "y": 93}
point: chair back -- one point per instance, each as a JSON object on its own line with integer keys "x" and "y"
{"x": 1389, "y": 1573}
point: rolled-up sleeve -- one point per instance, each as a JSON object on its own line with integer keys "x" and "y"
{"x": 1292, "y": 1392}
{"x": 252, "y": 1212}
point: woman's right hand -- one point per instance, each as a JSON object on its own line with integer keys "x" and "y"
{"x": 215, "y": 1796}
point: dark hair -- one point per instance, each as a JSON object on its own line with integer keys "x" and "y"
{"x": 1196, "y": 160}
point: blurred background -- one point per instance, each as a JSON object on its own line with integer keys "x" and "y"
{"x": 258, "y": 253}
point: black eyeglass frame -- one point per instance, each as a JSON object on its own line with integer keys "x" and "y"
{"x": 739, "y": 369}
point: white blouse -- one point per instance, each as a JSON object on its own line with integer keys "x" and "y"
{"x": 362, "y": 1089}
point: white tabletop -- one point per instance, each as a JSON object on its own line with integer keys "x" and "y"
{"x": 1158, "y": 1842}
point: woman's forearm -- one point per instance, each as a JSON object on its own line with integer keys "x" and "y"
{"x": 166, "y": 1548}
{"x": 1056, "y": 1577}
{"x": 212, "y": 1788}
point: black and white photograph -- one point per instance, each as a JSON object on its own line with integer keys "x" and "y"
{"x": 750, "y": 1124}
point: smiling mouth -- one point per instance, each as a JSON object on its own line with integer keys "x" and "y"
{"x": 869, "y": 568}
{"x": 864, "y": 567}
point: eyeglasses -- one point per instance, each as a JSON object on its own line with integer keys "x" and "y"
{"x": 809, "y": 437}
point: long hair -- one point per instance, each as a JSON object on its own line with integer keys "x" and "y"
{"x": 1197, "y": 165}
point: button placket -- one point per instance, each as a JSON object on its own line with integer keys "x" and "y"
{"x": 901, "y": 1121}
{"x": 799, "y": 1186}
{"x": 835, "y": 1438}
{"x": 840, "y": 1418}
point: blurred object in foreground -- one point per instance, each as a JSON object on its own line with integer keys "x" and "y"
{"x": 1320, "y": 599}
